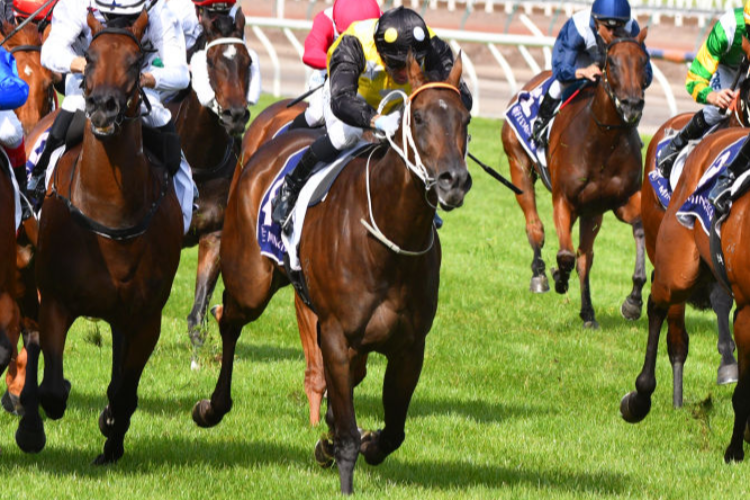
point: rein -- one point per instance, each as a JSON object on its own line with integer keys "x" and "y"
{"x": 611, "y": 94}
{"x": 417, "y": 167}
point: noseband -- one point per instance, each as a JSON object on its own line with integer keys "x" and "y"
{"x": 610, "y": 91}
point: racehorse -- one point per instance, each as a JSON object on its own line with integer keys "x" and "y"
{"x": 208, "y": 138}
{"x": 25, "y": 46}
{"x": 594, "y": 159}
{"x": 682, "y": 264}
{"x": 713, "y": 294}
{"x": 109, "y": 243}
{"x": 368, "y": 296}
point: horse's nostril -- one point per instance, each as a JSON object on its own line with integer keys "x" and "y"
{"x": 446, "y": 179}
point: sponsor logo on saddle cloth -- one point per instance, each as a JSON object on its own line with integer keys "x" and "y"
{"x": 522, "y": 113}
{"x": 697, "y": 205}
{"x": 273, "y": 243}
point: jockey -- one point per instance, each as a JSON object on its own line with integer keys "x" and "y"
{"x": 579, "y": 52}
{"x": 212, "y": 9}
{"x": 165, "y": 71}
{"x": 364, "y": 64}
{"x": 709, "y": 81}
{"x": 13, "y": 94}
{"x": 326, "y": 28}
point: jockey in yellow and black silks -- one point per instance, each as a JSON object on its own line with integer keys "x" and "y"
{"x": 364, "y": 64}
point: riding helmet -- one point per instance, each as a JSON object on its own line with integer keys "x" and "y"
{"x": 611, "y": 12}
{"x": 24, "y": 8}
{"x": 120, "y": 7}
{"x": 215, "y": 6}
{"x": 345, "y": 12}
{"x": 398, "y": 31}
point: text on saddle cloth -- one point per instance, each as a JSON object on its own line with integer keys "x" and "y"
{"x": 522, "y": 113}
{"x": 273, "y": 243}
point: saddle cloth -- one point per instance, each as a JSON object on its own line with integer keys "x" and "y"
{"x": 273, "y": 242}
{"x": 521, "y": 115}
{"x": 16, "y": 190}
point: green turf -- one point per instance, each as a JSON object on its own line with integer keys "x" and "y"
{"x": 516, "y": 400}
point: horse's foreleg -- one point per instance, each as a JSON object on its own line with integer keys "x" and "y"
{"x": 741, "y": 396}
{"x": 522, "y": 174}
{"x": 678, "y": 343}
{"x": 721, "y": 302}
{"x": 635, "y": 406}
{"x": 630, "y": 213}
{"x": 588, "y": 228}
{"x": 346, "y": 439}
{"x": 206, "y": 277}
{"x": 315, "y": 383}
{"x": 55, "y": 321}
{"x": 10, "y": 356}
{"x": 566, "y": 259}
{"x": 401, "y": 377}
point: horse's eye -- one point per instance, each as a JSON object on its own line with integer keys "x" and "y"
{"x": 209, "y": 63}
{"x": 418, "y": 118}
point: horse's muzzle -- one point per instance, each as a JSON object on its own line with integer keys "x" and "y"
{"x": 103, "y": 112}
{"x": 234, "y": 120}
{"x": 452, "y": 186}
{"x": 632, "y": 110}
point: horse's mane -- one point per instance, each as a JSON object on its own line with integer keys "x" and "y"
{"x": 28, "y": 35}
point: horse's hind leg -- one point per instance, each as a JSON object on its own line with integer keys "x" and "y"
{"x": 630, "y": 213}
{"x": 741, "y": 396}
{"x": 206, "y": 277}
{"x": 566, "y": 259}
{"x": 678, "y": 343}
{"x": 401, "y": 377}
{"x": 521, "y": 172}
{"x": 721, "y": 302}
{"x": 315, "y": 383}
{"x": 589, "y": 228}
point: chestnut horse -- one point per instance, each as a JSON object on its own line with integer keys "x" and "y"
{"x": 682, "y": 264}
{"x": 25, "y": 46}
{"x": 208, "y": 138}
{"x": 713, "y": 294}
{"x": 594, "y": 159}
{"x": 368, "y": 296}
{"x": 109, "y": 243}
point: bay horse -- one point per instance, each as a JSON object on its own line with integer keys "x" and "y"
{"x": 25, "y": 46}
{"x": 713, "y": 294}
{"x": 209, "y": 138}
{"x": 109, "y": 243}
{"x": 594, "y": 159}
{"x": 682, "y": 264}
{"x": 368, "y": 297}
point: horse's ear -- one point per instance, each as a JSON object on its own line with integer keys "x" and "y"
{"x": 454, "y": 78}
{"x": 139, "y": 26}
{"x": 46, "y": 32}
{"x": 644, "y": 33}
{"x": 746, "y": 47}
{"x": 239, "y": 21}
{"x": 94, "y": 25}
{"x": 414, "y": 71}
{"x": 6, "y": 27}
{"x": 207, "y": 24}
{"x": 606, "y": 35}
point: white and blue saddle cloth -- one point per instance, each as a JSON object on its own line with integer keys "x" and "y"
{"x": 522, "y": 113}
{"x": 697, "y": 206}
{"x": 16, "y": 193}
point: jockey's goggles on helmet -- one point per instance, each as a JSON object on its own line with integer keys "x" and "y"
{"x": 119, "y": 20}
{"x": 612, "y": 23}
{"x": 397, "y": 64}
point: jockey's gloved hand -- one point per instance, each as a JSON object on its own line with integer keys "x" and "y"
{"x": 388, "y": 124}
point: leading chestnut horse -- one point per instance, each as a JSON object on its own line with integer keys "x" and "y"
{"x": 594, "y": 159}
{"x": 682, "y": 264}
{"x": 369, "y": 296}
{"x": 109, "y": 243}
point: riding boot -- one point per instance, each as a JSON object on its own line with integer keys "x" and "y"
{"x": 719, "y": 194}
{"x": 694, "y": 129}
{"x": 320, "y": 150}
{"x": 55, "y": 139}
{"x": 299, "y": 122}
{"x": 546, "y": 112}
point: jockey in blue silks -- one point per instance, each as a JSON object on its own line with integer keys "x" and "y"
{"x": 579, "y": 51}
{"x": 13, "y": 94}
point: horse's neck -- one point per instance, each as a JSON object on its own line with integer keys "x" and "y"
{"x": 399, "y": 203}
{"x": 203, "y": 137}
{"x": 113, "y": 173}
{"x": 603, "y": 119}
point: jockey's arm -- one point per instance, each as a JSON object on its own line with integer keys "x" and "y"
{"x": 170, "y": 44}
{"x": 253, "y": 91}
{"x": 68, "y": 22}
{"x": 705, "y": 64}
{"x": 568, "y": 46}
{"x": 346, "y": 65}
{"x": 318, "y": 41}
{"x": 13, "y": 90}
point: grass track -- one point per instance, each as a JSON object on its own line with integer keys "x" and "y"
{"x": 516, "y": 400}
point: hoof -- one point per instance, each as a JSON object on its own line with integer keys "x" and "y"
{"x": 103, "y": 460}
{"x": 31, "y": 441}
{"x": 727, "y": 374}
{"x": 194, "y": 365}
{"x": 591, "y": 325}
{"x": 631, "y": 310}
{"x": 324, "y": 452}
{"x": 197, "y": 337}
{"x": 12, "y": 404}
{"x": 734, "y": 455}
{"x": 539, "y": 284}
{"x": 634, "y": 408}
{"x": 106, "y": 422}
{"x": 203, "y": 414}
{"x": 560, "y": 287}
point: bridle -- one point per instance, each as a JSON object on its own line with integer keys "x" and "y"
{"x": 214, "y": 104}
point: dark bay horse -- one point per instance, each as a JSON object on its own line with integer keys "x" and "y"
{"x": 209, "y": 141}
{"x": 25, "y": 46}
{"x": 682, "y": 264}
{"x": 712, "y": 295}
{"x": 594, "y": 159}
{"x": 368, "y": 297}
{"x": 109, "y": 243}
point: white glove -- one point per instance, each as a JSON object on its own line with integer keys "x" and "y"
{"x": 317, "y": 78}
{"x": 388, "y": 123}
